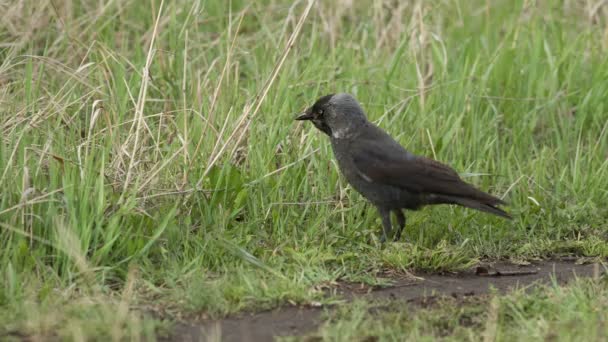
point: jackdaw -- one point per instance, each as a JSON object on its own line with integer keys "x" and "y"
{"x": 381, "y": 170}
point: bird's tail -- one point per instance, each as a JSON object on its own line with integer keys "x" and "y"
{"x": 479, "y": 205}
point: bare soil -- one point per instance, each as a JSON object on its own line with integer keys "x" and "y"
{"x": 294, "y": 321}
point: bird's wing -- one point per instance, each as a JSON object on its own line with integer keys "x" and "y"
{"x": 413, "y": 173}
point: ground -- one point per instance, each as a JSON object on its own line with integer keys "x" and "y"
{"x": 152, "y": 176}
{"x": 405, "y": 295}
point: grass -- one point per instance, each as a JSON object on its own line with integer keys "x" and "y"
{"x": 149, "y": 155}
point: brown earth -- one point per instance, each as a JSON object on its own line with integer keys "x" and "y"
{"x": 293, "y": 321}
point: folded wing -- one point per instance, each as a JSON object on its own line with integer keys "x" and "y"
{"x": 420, "y": 175}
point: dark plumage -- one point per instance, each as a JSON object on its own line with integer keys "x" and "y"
{"x": 385, "y": 173}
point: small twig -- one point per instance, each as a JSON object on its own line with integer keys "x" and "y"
{"x": 36, "y": 200}
{"x": 483, "y": 272}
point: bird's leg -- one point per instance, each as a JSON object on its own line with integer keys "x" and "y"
{"x": 386, "y": 223}
{"x": 400, "y": 222}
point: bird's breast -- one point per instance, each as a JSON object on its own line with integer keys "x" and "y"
{"x": 344, "y": 157}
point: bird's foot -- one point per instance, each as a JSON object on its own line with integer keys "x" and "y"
{"x": 397, "y": 237}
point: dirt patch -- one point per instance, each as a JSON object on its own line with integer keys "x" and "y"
{"x": 262, "y": 326}
{"x": 290, "y": 321}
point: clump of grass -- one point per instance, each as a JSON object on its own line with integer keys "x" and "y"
{"x": 442, "y": 257}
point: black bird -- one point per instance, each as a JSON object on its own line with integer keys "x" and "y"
{"x": 383, "y": 171}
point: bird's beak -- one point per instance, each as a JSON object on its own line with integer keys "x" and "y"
{"x": 307, "y": 115}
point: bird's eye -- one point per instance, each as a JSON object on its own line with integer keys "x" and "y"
{"x": 320, "y": 111}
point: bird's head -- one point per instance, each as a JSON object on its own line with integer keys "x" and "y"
{"x": 336, "y": 115}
